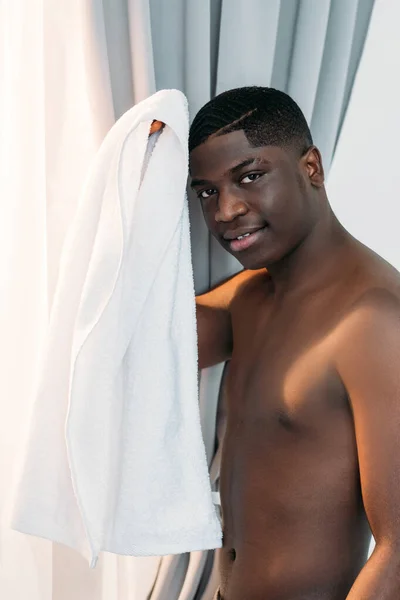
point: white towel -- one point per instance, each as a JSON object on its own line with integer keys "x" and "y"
{"x": 115, "y": 459}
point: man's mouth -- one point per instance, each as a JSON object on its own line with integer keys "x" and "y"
{"x": 243, "y": 242}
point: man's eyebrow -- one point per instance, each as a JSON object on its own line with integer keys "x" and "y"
{"x": 245, "y": 163}
{"x": 196, "y": 182}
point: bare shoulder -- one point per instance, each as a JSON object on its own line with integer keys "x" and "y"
{"x": 247, "y": 280}
{"x": 367, "y": 343}
{"x": 250, "y": 285}
{"x": 223, "y": 294}
{"x": 214, "y": 318}
{"x": 380, "y": 291}
{"x": 376, "y": 301}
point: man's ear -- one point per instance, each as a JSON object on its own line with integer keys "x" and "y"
{"x": 312, "y": 164}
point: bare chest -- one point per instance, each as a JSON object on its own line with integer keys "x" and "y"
{"x": 289, "y": 453}
{"x": 282, "y": 375}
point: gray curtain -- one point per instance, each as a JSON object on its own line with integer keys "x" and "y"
{"x": 307, "y": 48}
{"x": 81, "y": 64}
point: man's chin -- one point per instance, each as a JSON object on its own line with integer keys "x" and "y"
{"x": 249, "y": 259}
{"x": 251, "y": 263}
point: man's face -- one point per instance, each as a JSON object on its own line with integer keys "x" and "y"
{"x": 244, "y": 190}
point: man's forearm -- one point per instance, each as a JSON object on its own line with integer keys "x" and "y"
{"x": 380, "y": 577}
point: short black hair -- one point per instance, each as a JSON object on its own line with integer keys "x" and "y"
{"x": 267, "y": 116}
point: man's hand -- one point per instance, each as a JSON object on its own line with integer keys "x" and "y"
{"x": 156, "y": 126}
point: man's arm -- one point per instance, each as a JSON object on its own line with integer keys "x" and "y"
{"x": 369, "y": 366}
{"x": 214, "y": 325}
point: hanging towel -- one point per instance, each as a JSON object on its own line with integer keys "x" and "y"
{"x": 114, "y": 459}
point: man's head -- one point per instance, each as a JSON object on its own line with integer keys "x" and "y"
{"x": 254, "y": 167}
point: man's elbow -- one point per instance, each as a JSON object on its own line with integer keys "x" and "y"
{"x": 387, "y": 550}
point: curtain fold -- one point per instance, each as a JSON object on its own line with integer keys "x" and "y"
{"x": 68, "y": 70}
{"x": 363, "y": 194}
{"x": 23, "y": 277}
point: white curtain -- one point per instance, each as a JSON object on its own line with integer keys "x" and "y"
{"x": 68, "y": 70}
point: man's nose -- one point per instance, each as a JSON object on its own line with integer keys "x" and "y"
{"x": 229, "y": 207}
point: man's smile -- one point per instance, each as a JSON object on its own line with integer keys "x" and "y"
{"x": 246, "y": 239}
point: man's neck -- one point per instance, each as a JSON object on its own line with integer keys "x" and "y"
{"x": 317, "y": 261}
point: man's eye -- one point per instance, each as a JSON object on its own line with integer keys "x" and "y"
{"x": 206, "y": 193}
{"x": 250, "y": 177}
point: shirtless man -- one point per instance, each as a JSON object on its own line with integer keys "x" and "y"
{"x": 311, "y": 327}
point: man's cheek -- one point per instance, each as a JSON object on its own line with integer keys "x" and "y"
{"x": 209, "y": 216}
{"x": 276, "y": 204}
